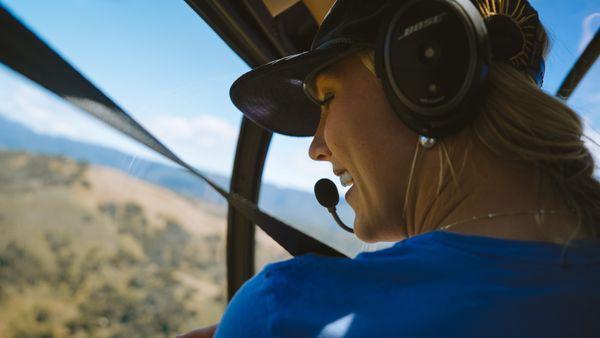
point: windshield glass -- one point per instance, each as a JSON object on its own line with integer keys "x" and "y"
{"x": 101, "y": 236}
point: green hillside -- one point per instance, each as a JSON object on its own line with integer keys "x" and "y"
{"x": 87, "y": 251}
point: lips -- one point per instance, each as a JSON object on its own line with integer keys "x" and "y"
{"x": 346, "y": 178}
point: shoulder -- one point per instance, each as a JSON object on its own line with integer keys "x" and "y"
{"x": 301, "y": 273}
{"x": 250, "y": 302}
{"x": 296, "y": 266}
{"x": 307, "y": 293}
{"x": 311, "y": 268}
{"x": 260, "y": 298}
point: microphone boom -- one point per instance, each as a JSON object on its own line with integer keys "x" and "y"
{"x": 327, "y": 194}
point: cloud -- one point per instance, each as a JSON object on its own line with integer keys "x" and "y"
{"x": 206, "y": 141}
{"x": 589, "y": 27}
{"x": 45, "y": 113}
{"x": 42, "y": 112}
{"x": 204, "y": 130}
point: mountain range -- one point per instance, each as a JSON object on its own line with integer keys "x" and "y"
{"x": 293, "y": 206}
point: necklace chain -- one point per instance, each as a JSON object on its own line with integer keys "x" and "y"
{"x": 540, "y": 212}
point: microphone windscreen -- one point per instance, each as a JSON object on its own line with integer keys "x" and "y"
{"x": 326, "y": 193}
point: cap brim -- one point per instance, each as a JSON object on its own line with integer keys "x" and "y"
{"x": 272, "y": 95}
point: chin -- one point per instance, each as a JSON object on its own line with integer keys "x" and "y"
{"x": 368, "y": 233}
{"x": 365, "y": 232}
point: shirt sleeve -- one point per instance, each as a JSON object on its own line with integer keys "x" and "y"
{"x": 247, "y": 315}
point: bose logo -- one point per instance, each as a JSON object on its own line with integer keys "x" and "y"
{"x": 422, "y": 24}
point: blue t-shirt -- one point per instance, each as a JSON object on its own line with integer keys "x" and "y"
{"x": 438, "y": 284}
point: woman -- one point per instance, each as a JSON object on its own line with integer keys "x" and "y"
{"x": 497, "y": 223}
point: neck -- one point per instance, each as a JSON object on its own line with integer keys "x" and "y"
{"x": 483, "y": 186}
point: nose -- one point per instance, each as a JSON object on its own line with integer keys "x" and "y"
{"x": 318, "y": 150}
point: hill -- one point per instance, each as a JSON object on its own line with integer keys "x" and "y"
{"x": 81, "y": 257}
{"x": 293, "y": 206}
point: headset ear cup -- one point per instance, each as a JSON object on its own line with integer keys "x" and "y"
{"x": 380, "y": 43}
{"x": 432, "y": 58}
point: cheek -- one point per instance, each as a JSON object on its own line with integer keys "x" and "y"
{"x": 338, "y": 130}
{"x": 383, "y": 158}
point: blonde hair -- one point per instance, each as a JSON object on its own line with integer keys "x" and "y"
{"x": 521, "y": 124}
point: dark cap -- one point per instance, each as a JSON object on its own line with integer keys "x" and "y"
{"x": 274, "y": 97}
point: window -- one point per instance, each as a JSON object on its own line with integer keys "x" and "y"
{"x": 102, "y": 237}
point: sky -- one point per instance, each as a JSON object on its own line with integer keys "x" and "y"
{"x": 166, "y": 67}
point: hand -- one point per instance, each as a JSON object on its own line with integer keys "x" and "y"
{"x": 205, "y": 332}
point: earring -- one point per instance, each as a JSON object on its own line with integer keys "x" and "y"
{"x": 426, "y": 142}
